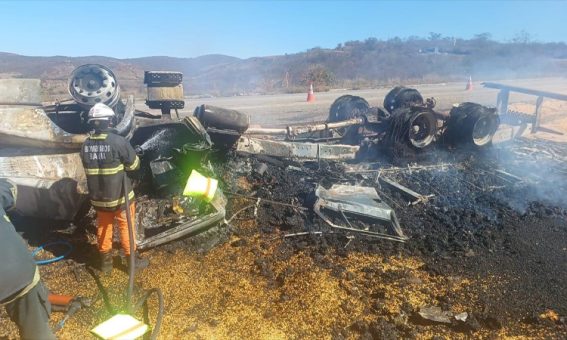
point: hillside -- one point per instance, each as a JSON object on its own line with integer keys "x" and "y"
{"x": 354, "y": 64}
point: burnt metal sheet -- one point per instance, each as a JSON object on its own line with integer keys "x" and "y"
{"x": 296, "y": 150}
{"x": 28, "y": 126}
{"x": 44, "y": 167}
{"x": 49, "y": 186}
{"x": 192, "y": 226}
{"x": 361, "y": 201}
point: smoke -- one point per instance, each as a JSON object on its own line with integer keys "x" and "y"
{"x": 244, "y": 76}
{"x": 541, "y": 170}
{"x": 526, "y": 176}
{"x": 525, "y": 65}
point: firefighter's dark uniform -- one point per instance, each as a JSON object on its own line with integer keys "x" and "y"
{"x": 21, "y": 290}
{"x": 105, "y": 157}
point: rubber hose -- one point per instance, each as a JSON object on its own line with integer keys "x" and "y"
{"x": 143, "y": 302}
{"x": 159, "y": 318}
{"x": 55, "y": 259}
{"x": 157, "y": 327}
{"x": 132, "y": 263}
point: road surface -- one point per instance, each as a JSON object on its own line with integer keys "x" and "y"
{"x": 286, "y": 109}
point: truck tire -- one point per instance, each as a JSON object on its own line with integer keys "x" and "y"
{"x": 402, "y": 97}
{"x": 471, "y": 124}
{"x": 415, "y": 127}
{"x": 347, "y": 107}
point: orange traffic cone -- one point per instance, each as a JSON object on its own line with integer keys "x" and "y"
{"x": 310, "y": 95}
{"x": 469, "y": 85}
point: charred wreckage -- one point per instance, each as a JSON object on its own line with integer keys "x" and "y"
{"x": 40, "y": 149}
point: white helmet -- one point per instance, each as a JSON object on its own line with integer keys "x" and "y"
{"x": 100, "y": 112}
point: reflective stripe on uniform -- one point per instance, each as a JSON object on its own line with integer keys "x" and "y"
{"x": 104, "y": 171}
{"x": 7, "y": 219}
{"x": 102, "y": 136}
{"x": 134, "y": 165}
{"x": 112, "y": 204}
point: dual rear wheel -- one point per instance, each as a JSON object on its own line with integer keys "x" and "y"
{"x": 471, "y": 124}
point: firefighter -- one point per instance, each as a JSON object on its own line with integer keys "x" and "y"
{"x": 21, "y": 290}
{"x": 106, "y": 156}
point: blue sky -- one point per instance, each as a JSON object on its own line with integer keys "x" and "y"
{"x": 256, "y": 28}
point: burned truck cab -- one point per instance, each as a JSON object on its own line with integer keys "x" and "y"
{"x": 40, "y": 144}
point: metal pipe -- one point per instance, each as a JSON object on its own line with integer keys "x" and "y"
{"x": 296, "y": 130}
{"x": 326, "y": 126}
{"x": 264, "y": 200}
{"x": 265, "y": 131}
{"x": 508, "y": 88}
{"x": 20, "y": 104}
{"x": 401, "y": 188}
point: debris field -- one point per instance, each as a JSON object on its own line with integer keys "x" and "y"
{"x": 486, "y": 254}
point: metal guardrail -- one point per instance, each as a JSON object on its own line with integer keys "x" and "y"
{"x": 504, "y": 95}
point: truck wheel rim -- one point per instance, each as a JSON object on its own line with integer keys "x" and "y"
{"x": 422, "y": 130}
{"x": 482, "y": 131}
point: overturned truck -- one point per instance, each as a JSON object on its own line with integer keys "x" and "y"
{"x": 39, "y": 151}
{"x": 39, "y": 144}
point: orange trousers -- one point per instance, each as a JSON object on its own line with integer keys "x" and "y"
{"x": 105, "y": 221}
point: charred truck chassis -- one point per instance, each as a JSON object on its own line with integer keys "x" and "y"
{"x": 410, "y": 120}
{"x": 353, "y": 129}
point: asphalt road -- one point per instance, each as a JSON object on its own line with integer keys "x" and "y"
{"x": 286, "y": 109}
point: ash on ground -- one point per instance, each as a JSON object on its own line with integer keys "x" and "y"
{"x": 498, "y": 217}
